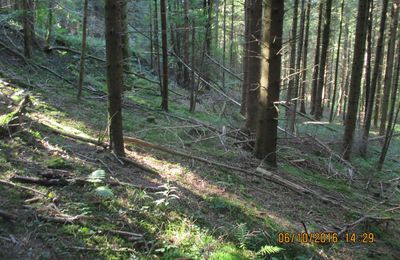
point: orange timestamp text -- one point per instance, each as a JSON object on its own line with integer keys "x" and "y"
{"x": 325, "y": 238}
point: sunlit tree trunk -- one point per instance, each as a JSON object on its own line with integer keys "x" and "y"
{"x": 114, "y": 56}
{"x": 292, "y": 70}
{"x": 83, "y": 49}
{"x": 164, "y": 87}
{"x": 267, "y": 122}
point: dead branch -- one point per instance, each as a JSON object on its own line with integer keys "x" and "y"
{"x": 22, "y": 187}
{"x": 39, "y": 181}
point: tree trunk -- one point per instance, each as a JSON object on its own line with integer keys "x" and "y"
{"x": 292, "y": 70}
{"x": 49, "y": 33}
{"x": 232, "y": 33}
{"x": 267, "y": 122}
{"x": 255, "y": 22}
{"x": 193, "y": 89}
{"x": 245, "y": 61}
{"x": 83, "y": 49}
{"x": 355, "y": 83}
{"x": 164, "y": 89}
{"x": 208, "y": 10}
{"x": 186, "y": 76}
{"x": 337, "y": 63}
{"x": 374, "y": 80}
{"x": 224, "y": 46}
{"x": 387, "y": 84}
{"x": 27, "y": 23}
{"x": 324, "y": 53}
{"x": 316, "y": 59}
{"x": 304, "y": 66}
{"x": 392, "y": 117}
{"x": 125, "y": 35}
{"x": 114, "y": 55}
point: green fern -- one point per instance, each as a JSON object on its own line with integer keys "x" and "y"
{"x": 269, "y": 250}
{"x": 97, "y": 176}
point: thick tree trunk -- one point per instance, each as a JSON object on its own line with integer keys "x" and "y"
{"x": 83, "y": 49}
{"x": 232, "y": 33}
{"x": 374, "y": 80}
{"x": 387, "y": 83}
{"x": 316, "y": 59}
{"x": 114, "y": 55}
{"x": 193, "y": 89}
{"x": 164, "y": 88}
{"x": 324, "y": 53}
{"x": 267, "y": 123}
{"x": 355, "y": 83}
{"x": 255, "y": 22}
{"x": 208, "y": 11}
{"x": 335, "y": 87}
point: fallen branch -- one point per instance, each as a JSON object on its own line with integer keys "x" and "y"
{"x": 39, "y": 181}
{"x": 22, "y": 187}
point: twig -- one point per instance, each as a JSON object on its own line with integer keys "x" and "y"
{"x": 21, "y": 187}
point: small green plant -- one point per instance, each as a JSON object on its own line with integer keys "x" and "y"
{"x": 269, "y": 250}
{"x": 97, "y": 178}
{"x": 167, "y": 195}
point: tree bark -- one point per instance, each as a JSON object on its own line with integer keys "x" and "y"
{"x": 267, "y": 122}
{"x": 27, "y": 24}
{"x": 49, "y": 33}
{"x": 392, "y": 117}
{"x": 125, "y": 35}
{"x": 294, "y": 66}
{"x": 164, "y": 88}
{"x": 316, "y": 59}
{"x": 186, "y": 45}
{"x": 324, "y": 53}
{"x": 114, "y": 55}
{"x": 291, "y": 93}
{"x": 355, "y": 83}
{"x": 387, "y": 84}
{"x": 337, "y": 63}
{"x": 374, "y": 80}
{"x": 304, "y": 66}
{"x": 243, "y": 107}
{"x": 255, "y": 21}
{"x": 83, "y": 49}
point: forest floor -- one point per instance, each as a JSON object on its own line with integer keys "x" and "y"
{"x": 94, "y": 206}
